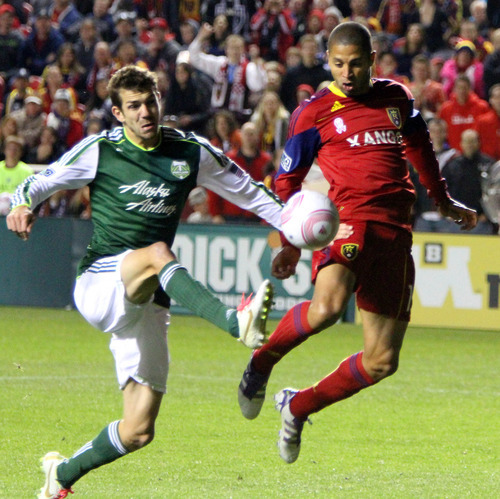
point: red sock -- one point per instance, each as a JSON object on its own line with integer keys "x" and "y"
{"x": 349, "y": 378}
{"x": 292, "y": 330}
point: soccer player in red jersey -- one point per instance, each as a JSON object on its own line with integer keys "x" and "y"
{"x": 361, "y": 131}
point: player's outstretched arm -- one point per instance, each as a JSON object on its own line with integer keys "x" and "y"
{"x": 461, "y": 214}
{"x": 20, "y": 221}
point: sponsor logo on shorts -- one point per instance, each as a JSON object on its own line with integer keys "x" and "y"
{"x": 349, "y": 251}
{"x": 180, "y": 169}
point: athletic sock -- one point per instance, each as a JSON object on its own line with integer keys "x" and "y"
{"x": 186, "y": 291}
{"x": 104, "y": 449}
{"x": 292, "y": 330}
{"x": 348, "y": 379}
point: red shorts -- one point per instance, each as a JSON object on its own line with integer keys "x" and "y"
{"x": 380, "y": 257}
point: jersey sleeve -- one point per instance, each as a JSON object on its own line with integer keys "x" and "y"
{"x": 421, "y": 155}
{"x": 73, "y": 170}
{"x": 224, "y": 177}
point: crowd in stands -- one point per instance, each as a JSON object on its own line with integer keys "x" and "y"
{"x": 234, "y": 71}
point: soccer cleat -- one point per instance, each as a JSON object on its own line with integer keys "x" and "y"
{"x": 51, "y": 488}
{"x": 291, "y": 427}
{"x": 252, "y": 392}
{"x": 252, "y": 316}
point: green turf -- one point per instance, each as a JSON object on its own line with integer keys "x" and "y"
{"x": 431, "y": 431}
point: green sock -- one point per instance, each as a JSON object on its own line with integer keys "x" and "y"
{"x": 186, "y": 291}
{"x": 104, "y": 449}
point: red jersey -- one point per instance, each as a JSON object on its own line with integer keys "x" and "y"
{"x": 361, "y": 144}
{"x": 488, "y": 127}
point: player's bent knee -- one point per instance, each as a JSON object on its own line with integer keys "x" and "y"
{"x": 160, "y": 254}
{"x": 137, "y": 441}
{"x": 322, "y": 315}
{"x": 381, "y": 367}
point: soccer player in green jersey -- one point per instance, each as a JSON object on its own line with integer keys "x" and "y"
{"x": 140, "y": 175}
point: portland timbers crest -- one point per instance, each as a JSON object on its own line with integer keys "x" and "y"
{"x": 180, "y": 169}
{"x": 349, "y": 251}
{"x": 394, "y": 116}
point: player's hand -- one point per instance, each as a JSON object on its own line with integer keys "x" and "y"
{"x": 344, "y": 232}
{"x": 461, "y": 214}
{"x": 285, "y": 262}
{"x": 20, "y": 221}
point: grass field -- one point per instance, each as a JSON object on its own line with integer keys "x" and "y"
{"x": 431, "y": 431}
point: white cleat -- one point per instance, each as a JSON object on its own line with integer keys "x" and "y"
{"x": 252, "y": 316}
{"x": 51, "y": 488}
{"x": 291, "y": 427}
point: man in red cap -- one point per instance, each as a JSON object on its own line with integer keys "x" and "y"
{"x": 162, "y": 50}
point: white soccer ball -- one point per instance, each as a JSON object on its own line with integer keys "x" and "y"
{"x": 309, "y": 220}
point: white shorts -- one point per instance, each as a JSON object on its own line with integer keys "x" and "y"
{"x": 138, "y": 332}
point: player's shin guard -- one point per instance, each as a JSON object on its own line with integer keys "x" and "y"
{"x": 188, "y": 292}
{"x": 292, "y": 330}
{"x": 348, "y": 379}
{"x": 104, "y": 449}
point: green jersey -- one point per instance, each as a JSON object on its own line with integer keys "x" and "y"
{"x": 137, "y": 195}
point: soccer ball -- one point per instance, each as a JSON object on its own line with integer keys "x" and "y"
{"x": 309, "y": 220}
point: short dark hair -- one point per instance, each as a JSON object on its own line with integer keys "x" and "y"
{"x": 351, "y": 33}
{"x": 131, "y": 78}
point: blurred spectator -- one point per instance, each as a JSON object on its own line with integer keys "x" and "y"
{"x": 488, "y": 125}
{"x": 225, "y": 133}
{"x": 463, "y": 176}
{"x": 198, "y": 202}
{"x": 386, "y": 67}
{"x": 428, "y": 94}
{"x": 84, "y": 46}
{"x": 293, "y": 57}
{"x": 274, "y": 74}
{"x": 93, "y": 126}
{"x": 66, "y": 18}
{"x": 491, "y": 74}
{"x": 311, "y": 71}
{"x": 103, "y": 20}
{"x": 462, "y": 110}
{"x": 299, "y": 10}
{"x": 427, "y": 217}
{"x": 53, "y": 81}
{"x": 235, "y": 77}
{"x": 478, "y": 15}
{"x": 332, "y": 17}
{"x": 237, "y": 12}
{"x": 20, "y": 90}
{"x": 436, "y": 67}
{"x": 255, "y": 162}
{"x": 463, "y": 62}
{"x": 361, "y": 14}
{"x": 491, "y": 195}
{"x": 315, "y": 21}
{"x": 66, "y": 203}
{"x": 271, "y": 120}
{"x": 189, "y": 99}
{"x": 406, "y": 48}
{"x": 126, "y": 54}
{"x": 99, "y": 104}
{"x": 73, "y": 73}
{"x": 468, "y": 31}
{"x": 271, "y": 28}
{"x": 30, "y": 120}
{"x": 493, "y": 13}
{"x": 103, "y": 63}
{"x": 124, "y": 27}
{"x": 217, "y": 40}
{"x": 13, "y": 171}
{"x": 69, "y": 129}
{"x": 188, "y": 29}
{"x": 11, "y": 43}
{"x": 48, "y": 150}
{"x": 42, "y": 45}
{"x": 434, "y": 19}
{"x": 162, "y": 50}
{"x": 393, "y": 16}
{"x": 304, "y": 92}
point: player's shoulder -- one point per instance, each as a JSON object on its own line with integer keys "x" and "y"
{"x": 391, "y": 89}
{"x": 309, "y": 111}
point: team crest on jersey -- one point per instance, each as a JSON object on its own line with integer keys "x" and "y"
{"x": 349, "y": 251}
{"x": 286, "y": 162}
{"x": 336, "y": 106}
{"x": 339, "y": 125}
{"x": 180, "y": 169}
{"x": 394, "y": 116}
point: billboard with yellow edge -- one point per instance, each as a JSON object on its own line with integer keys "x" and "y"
{"x": 457, "y": 281}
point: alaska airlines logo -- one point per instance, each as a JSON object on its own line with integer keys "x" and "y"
{"x": 394, "y": 116}
{"x": 149, "y": 192}
{"x": 336, "y": 106}
{"x": 376, "y": 138}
